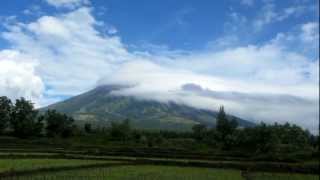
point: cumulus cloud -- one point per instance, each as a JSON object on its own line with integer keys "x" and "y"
{"x": 72, "y": 54}
{"x": 18, "y": 77}
{"x": 68, "y": 3}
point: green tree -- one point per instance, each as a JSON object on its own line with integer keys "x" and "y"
{"x": 87, "y": 128}
{"x": 5, "y": 111}
{"x": 199, "y": 131}
{"x": 120, "y": 131}
{"x": 266, "y": 139}
{"x": 225, "y": 126}
{"x": 58, "y": 124}
{"x": 24, "y": 121}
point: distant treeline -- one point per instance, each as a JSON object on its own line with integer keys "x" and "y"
{"x": 22, "y": 120}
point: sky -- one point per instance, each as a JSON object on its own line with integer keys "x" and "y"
{"x": 258, "y": 58}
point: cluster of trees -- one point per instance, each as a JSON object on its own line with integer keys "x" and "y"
{"x": 22, "y": 120}
{"x": 226, "y": 135}
{"x": 222, "y": 132}
{"x": 262, "y": 138}
{"x": 123, "y": 131}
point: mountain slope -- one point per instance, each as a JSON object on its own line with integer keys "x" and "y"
{"x": 100, "y": 107}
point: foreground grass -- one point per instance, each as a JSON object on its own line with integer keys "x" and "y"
{"x": 132, "y": 172}
{"x": 142, "y": 172}
{"x": 283, "y": 176}
{"x": 32, "y": 164}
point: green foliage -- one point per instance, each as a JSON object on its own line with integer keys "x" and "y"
{"x": 225, "y": 126}
{"x": 58, "y": 124}
{"x": 283, "y": 176}
{"x": 5, "y": 111}
{"x": 225, "y": 129}
{"x": 120, "y": 131}
{"x": 142, "y": 172}
{"x": 276, "y": 140}
{"x": 199, "y": 131}
{"x": 87, "y": 128}
{"x": 24, "y": 120}
{"x": 32, "y": 164}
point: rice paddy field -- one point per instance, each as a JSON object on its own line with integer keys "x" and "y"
{"x": 283, "y": 176}
{"x": 20, "y": 162}
{"x": 142, "y": 172}
{"x": 152, "y": 172}
{"x": 41, "y": 167}
{"x": 7, "y": 165}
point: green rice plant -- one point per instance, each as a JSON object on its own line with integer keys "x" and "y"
{"x": 141, "y": 172}
{"x": 10, "y": 165}
{"x": 283, "y": 176}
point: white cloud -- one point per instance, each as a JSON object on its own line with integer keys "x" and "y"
{"x": 270, "y": 63}
{"x": 18, "y": 77}
{"x": 33, "y": 10}
{"x": 310, "y": 32}
{"x": 73, "y": 55}
{"x": 269, "y": 14}
{"x": 264, "y": 107}
{"x": 112, "y": 30}
{"x": 49, "y": 26}
{"x": 247, "y": 2}
{"x": 68, "y": 3}
{"x": 292, "y": 11}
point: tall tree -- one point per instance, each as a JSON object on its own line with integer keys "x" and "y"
{"x": 24, "y": 121}
{"x": 5, "y": 110}
{"x": 225, "y": 126}
{"x": 87, "y": 128}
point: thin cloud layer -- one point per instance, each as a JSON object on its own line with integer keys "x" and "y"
{"x": 68, "y": 3}
{"x": 264, "y": 107}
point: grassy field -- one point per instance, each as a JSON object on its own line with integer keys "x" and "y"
{"x": 283, "y": 176}
{"x": 151, "y": 172}
{"x": 101, "y": 167}
{"x": 143, "y": 172}
{"x": 32, "y": 164}
{"x": 41, "y": 160}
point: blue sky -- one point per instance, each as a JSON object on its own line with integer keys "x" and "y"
{"x": 236, "y": 53}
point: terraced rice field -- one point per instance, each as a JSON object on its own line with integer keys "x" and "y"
{"x": 10, "y": 165}
{"x": 141, "y": 172}
{"x": 21, "y": 164}
{"x": 153, "y": 172}
{"x": 283, "y": 176}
